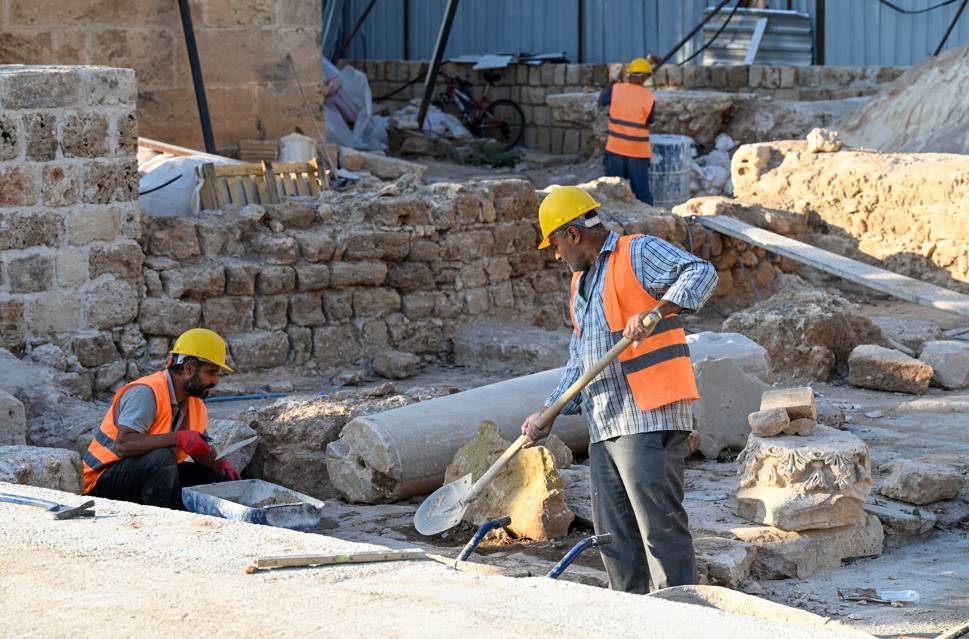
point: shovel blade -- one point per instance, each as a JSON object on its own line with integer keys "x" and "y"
{"x": 444, "y": 508}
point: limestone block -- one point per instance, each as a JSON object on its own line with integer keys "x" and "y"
{"x": 921, "y": 483}
{"x": 122, "y": 259}
{"x": 578, "y": 492}
{"x": 347, "y": 274}
{"x": 174, "y": 237}
{"x": 949, "y": 360}
{"x": 240, "y": 279}
{"x": 194, "y": 282}
{"x": 749, "y": 355}
{"x": 41, "y": 136}
{"x": 375, "y": 302}
{"x": 726, "y": 562}
{"x": 801, "y": 427}
{"x": 912, "y": 333}
{"x": 110, "y": 303}
{"x": 509, "y": 347}
{"x": 293, "y": 213}
{"x": 767, "y": 423}
{"x": 18, "y": 186}
{"x": 228, "y": 314}
{"x": 727, "y": 396}
{"x": 23, "y": 229}
{"x": 56, "y": 468}
{"x": 386, "y": 168}
{"x": 306, "y": 309}
{"x": 801, "y": 483}
{"x": 395, "y": 364}
{"x": 798, "y": 402}
{"x": 92, "y": 350}
{"x": 94, "y": 223}
{"x": 54, "y": 312}
{"x": 276, "y": 249}
{"x": 300, "y": 344}
{"x": 13, "y": 421}
{"x": 12, "y": 325}
{"x": 880, "y": 368}
{"x": 276, "y": 280}
{"x": 106, "y": 182}
{"x": 338, "y": 305}
{"x": 561, "y": 454}
{"x": 258, "y": 349}
{"x": 824, "y": 141}
{"x": 312, "y": 277}
{"x": 109, "y": 374}
{"x": 131, "y": 342}
{"x": 168, "y": 317}
{"x": 528, "y": 489}
{"x": 30, "y": 274}
{"x": 796, "y": 555}
{"x": 902, "y": 523}
{"x": 61, "y": 185}
{"x": 84, "y": 136}
{"x": 49, "y": 355}
{"x": 410, "y": 276}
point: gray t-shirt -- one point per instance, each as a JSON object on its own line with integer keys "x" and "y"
{"x": 136, "y": 408}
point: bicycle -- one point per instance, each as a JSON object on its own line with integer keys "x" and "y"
{"x": 502, "y": 120}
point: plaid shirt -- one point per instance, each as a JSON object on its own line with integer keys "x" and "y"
{"x": 667, "y": 273}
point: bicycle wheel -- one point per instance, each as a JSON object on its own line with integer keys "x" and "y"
{"x": 504, "y": 121}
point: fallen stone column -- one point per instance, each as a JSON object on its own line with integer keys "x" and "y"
{"x": 404, "y": 452}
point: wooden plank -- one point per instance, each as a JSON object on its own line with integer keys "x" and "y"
{"x": 250, "y": 190}
{"x": 288, "y": 561}
{"x": 206, "y": 193}
{"x": 314, "y": 178}
{"x": 177, "y": 151}
{"x": 302, "y": 187}
{"x": 237, "y": 170}
{"x": 291, "y": 167}
{"x": 269, "y": 179}
{"x": 262, "y": 190}
{"x": 236, "y": 194}
{"x": 289, "y": 184}
{"x": 211, "y": 183}
{"x": 879, "y": 279}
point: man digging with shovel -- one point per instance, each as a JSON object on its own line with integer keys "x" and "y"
{"x": 638, "y": 408}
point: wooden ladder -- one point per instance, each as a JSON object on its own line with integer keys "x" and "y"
{"x": 257, "y": 183}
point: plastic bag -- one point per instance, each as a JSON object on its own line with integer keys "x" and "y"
{"x": 179, "y": 198}
{"x": 354, "y": 96}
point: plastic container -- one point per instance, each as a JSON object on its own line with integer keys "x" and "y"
{"x": 905, "y": 596}
{"x": 254, "y": 501}
{"x": 670, "y": 168}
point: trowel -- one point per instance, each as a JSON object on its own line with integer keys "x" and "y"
{"x": 228, "y": 450}
{"x": 445, "y": 507}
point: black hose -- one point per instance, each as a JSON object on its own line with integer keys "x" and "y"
{"x": 715, "y": 35}
{"x": 916, "y": 11}
{"x": 393, "y": 93}
{"x": 160, "y": 186}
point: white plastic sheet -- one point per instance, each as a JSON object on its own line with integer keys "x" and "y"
{"x": 368, "y": 132}
{"x": 179, "y": 198}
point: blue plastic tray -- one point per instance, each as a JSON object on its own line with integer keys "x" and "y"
{"x": 255, "y": 501}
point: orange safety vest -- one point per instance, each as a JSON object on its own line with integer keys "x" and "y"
{"x": 659, "y": 370}
{"x": 629, "y": 110}
{"x": 101, "y": 452}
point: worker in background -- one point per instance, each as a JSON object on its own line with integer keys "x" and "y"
{"x": 154, "y": 424}
{"x": 627, "y": 139}
{"x": 639, "y": 408}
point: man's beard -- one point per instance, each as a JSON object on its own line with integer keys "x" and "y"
{"x": 195, "y": 388}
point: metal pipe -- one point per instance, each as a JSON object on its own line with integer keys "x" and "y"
{"x": 406, "y": 29}
{"x": 952, "y": 25}
{"x": 819, "y": 32}
{"x": 689, "y": 36}
{"x": 442, "y": 36}
{"x": 356, "y": 27}
{"x": 197, "y": 82}
{"x": 483, "y": 530}
{"x": 233, "y": 398}
{"x": 581, "y": 39}
{"x": 595, "y": 541}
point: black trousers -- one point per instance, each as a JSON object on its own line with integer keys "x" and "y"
{"x": 152, "y": 479}
{"x": 637, "y": 495}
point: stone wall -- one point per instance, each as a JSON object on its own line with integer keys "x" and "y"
{"x": 70, "y": 268}
{"x": 530, "y": 85}
{"x": 242, "y": 46}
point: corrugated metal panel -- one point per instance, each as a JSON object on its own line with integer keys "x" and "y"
{"x": 856, "y": 31}
{"x": 787, "y": 38}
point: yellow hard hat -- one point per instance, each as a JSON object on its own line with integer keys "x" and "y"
{"x": 640, "y": 65}
{"x": 204, "y": 344}
{"x": 561, "y": 206}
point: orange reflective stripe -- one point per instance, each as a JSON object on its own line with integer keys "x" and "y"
{"x": 628, "y": 130}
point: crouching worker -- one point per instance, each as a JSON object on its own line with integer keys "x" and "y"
{"x": 154, "y": 424}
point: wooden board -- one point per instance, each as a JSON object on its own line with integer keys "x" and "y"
{"x": 879, "y": 279}
{"x": 327, "y": 560}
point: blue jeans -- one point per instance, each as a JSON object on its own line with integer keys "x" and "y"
{"x": 636, "y": 170}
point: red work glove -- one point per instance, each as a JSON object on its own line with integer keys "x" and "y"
{"x": 228, "y": 469}
{"x": 192, "y": 443}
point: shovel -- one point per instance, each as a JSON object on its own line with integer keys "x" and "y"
{"x": 445, "y": 507}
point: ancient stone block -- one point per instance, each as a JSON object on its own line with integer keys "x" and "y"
{"x": 54, "y": 312}
{"x": 198, "y": 282}
{"x": 801, "y": 483}
{"x": 276, "y": 249}
{"x": 56, "y": 468}
{"x": 949, "y": 360}
{"x": 168, "y": 317}
{"x": 315, "y": 246}
{"x": 240, "y": 279}
{"x": 94, "y": 223}
{"x": 767, "y": 423}
{"x": 300, "y": 344}
{"x": 306, "y": 309}
{"x": 228, "y": 314}
{"x": 13, "y": 421}
{"x": 424, "y": 251}
{"x": 312, "y": 277}
{"x": 880, "y": 368}
{"x": 12, "y": 325}
{"x": 41, "y": 137}
{"x": 335, "y": 346}
{"x": 921, "y": 483}
{"x": 824, "y": 141}
{"x": 901, "y": 522}
{"x": 110, "y": 87}
{"x": 473, "y": 275}
{"x": 258, "y": 349}
{"x": 502, "y": 347}
{"x": 726, "y": 562}
{"x": 798, "y": 402}
{"x": 122, "y": 259}
{"x": 395, "y": 364}
{"x": 727, "y": 396}
{"x": 375, "y": 302}
{"x": 346, "y": 274}
{"x": 60, "y": 185}
{"x": 18, "y": 186}
{"x": 106, "y": 182}
{"x": 276, "y": 280}
{"x": 801, "y": 427}
{"x": 376, "y": 245}
{"x": 30, "y": 274}
{"x": 94, "y": 349}
{"x": 748, "y": 354}
{"x": 110, "y": 303}
{"x": 42, "y": 88}
{"x": 468, "y": 245}
{"x": 10, "y": 138}
{"x": 126, "y": 139}
{"x": 529, "y": 489}
{"x": 338, "y": 305}
{"x": 84, "y": 136}
{"x": 109, "y": 375}
{"x": 271, "y": 312}
{"x": 476, "y": 300}
{"x": 131, "y": 342}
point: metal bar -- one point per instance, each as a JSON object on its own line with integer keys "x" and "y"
{"x": 406, "y": 22}
{"x": 689, "y": 36}
{"x": 197, "y": 82}
{"x": 442, "y": 36}
{"x": 581, "y": 42}
{"x": 755, "y": 41}
{"x": 356, "y": 27}
{"x": 595, "y": 541}
{"x": 483, "y": 530}
{"x": 952, "y": 25}
{"x": 819, "y": 32}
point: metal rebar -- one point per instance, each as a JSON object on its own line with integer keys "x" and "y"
{"x": 197, "y": 82}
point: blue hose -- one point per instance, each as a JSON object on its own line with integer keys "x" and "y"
{"x": 595, "y": 541}
{"x": 485, "y": 528}
{"x": 233, "y": 398}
